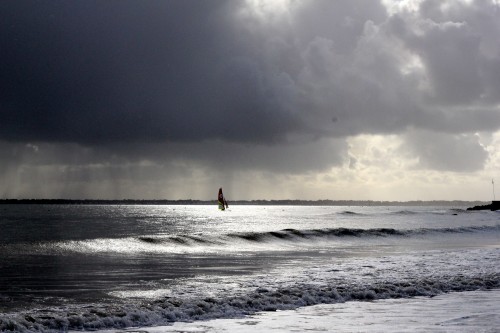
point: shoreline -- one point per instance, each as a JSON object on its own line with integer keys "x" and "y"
{"x": 470, "y": 311}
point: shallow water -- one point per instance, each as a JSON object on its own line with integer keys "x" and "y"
{"x": 97, "y": 267}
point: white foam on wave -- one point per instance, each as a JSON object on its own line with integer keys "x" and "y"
{"x": 133, "y": 245}
{"x": 262, "y": 299}
{"x": 398, "y": 276}
{"x": 442, "y": 314}
{"x": 118, "y": 245}
{"x": 143, "y": 294}
{"x": 244, "y": 242}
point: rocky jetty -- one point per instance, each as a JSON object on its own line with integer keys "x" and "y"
{"x": 495, "y": 205}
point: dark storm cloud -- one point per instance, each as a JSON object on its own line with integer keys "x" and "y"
{"x": 124, "y": 77}
{"x": 94, "y": 71}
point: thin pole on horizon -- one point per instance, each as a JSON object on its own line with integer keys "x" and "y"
{"x": 493, "y": 184}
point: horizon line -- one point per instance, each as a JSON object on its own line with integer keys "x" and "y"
{"x": 235, "y": 202}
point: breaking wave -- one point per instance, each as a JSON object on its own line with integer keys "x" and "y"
{"x": 291, "y": 234}
{"x": 405, "y": 212}
{"x": 348, "y": 212}
{"x": 237, "y": 241}
{"x": 170, "y": 309}
{"x": 311, "y": 234}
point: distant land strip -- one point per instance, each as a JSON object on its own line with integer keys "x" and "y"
{"x": 238, "y": 202}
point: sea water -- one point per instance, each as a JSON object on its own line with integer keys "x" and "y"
{"x": 98, "y": 267}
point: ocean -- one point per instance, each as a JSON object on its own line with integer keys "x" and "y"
{"x": 125, "y": 267}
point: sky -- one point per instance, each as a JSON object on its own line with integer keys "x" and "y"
{"x": 270, "y": 99}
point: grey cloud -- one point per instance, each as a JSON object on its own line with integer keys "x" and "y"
{"x": 459, "y": 119}
{"x": 97, "y": 72}
{"x": 182, "y": 170}
{"x": 450, "y": 52}
{"x": 460, "y": 153}
{"x": 285, "y": 159}
{"x": 216, "y": 155}
{"x": 126, "y": 81}
{"x": 93, "y": 73}
{"x": 458, "y": 43}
